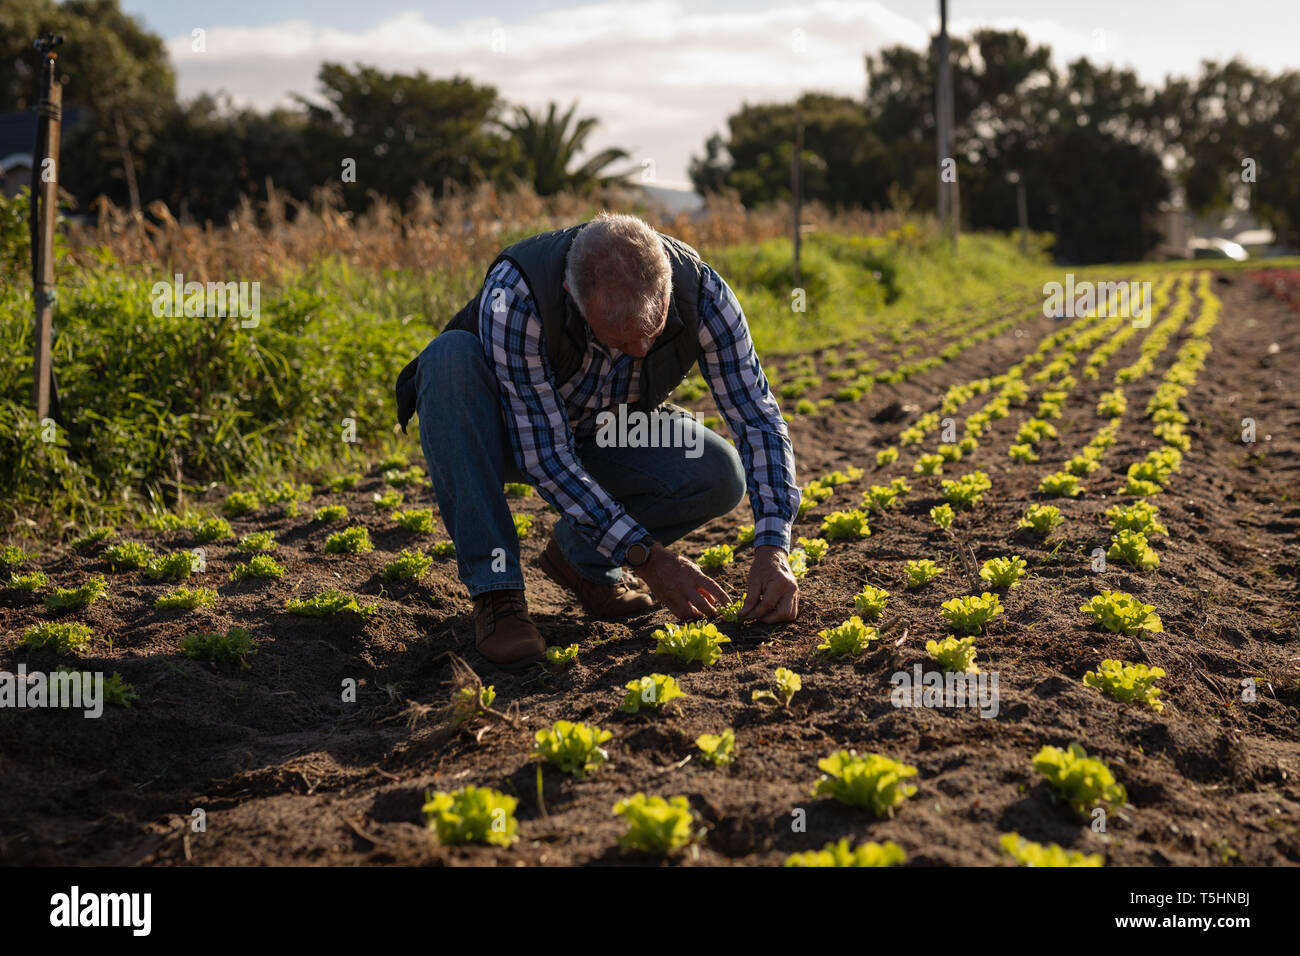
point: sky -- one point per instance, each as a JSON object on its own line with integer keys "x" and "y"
{"x": 663, "y": 75}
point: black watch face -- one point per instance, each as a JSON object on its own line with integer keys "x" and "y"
{"x": 638, "y": 554}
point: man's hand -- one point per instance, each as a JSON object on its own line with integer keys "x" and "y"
{"x": 680, "y": 585}
{"x": 773, "y": 595}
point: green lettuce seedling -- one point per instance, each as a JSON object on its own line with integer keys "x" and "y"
{"x": 788, "y": 683}
{"x": 1027, "y": 853}
{"x": 128, "y": 556}
{"x": 443, "y": 549}
{"x": 849, "y": 525}
{"x": 419, "y": 520}
{"x": 886, "y": 456}
{"x": 1003, "y": 572}
{"x": 470, "y": 700}
{"x": 27, "y": 582}
{"x": 745, "y": 534}
{"x": 691, "y": 643}
{"x": 1141, "y": 489}
{"x": 257, "y": 542}
{"x": 176, "y": 566}
{"x": 62, "y": 600}
{"x": 955, "y": 655}
{"x": 653, "y": 691}
{"x": 518, "y": 489}
{"x": 409, "y": 565}
{"x": 1131, "y": 547}
{"x": 402, "y": 478}
{"x": 1083, "y": 464}
{"x": 344, "y": 482}
{"x": 523, "y": 525}
{"x": 716, "y": 557}
{"x": 1022, "y": 453}
{"x": 183, "y": 598}
{"x": 921, "y": 573}
{"x": 61, "y": 637}
{"x": 213, "y": 529}
{"x": 798, "y": 562}
{"x": 233, "y": 647}
{"x": 870, "y": 602}
{"x": 116, "y": 690}
{"x": 388, "y": 501}
{"x": 327, "y": 513}
{"x": 1041, "y": 518}
{"x": 326, "y": 603}
{"x": 562, "y": 655}
{"x": 656, "y": 825}
{"x": 240, "y": 503}
{"x": 718, "y": 749}
{"x": 1035, "y": 430}
{"x": 1082, "y": 781}
{"x": 1060, "y": 484}
{"x": 874, "y": 782}
{"x": 814, "y": 548}
{"x": 353, "y": 540}
{"x": 472, "y": 815}
{"x": 967, "y": 491}
{"x": 879, "y": 497}
{"x": 851, "y": 637}
{"x": 942, "y": 516}
{"x": 1140, "y": 516}
{"x": 928, "y": 465}
{"x": 93, "y": 536}
{"x": 730, "y": 613}
{"x": 260, "y": 566}
{"x": 842, "y": 854}
{"x": 573, "y": 747}
{"x": 1112, "y": 404}
{"x": 1126, "y": 682}
{"x": 1122, "y": 613}
{"x": 970, "y": 614}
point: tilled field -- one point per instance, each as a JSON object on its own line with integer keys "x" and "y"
{"x": 287, "y": 772}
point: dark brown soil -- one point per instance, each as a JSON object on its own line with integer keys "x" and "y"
{"x": 287, "y": 773}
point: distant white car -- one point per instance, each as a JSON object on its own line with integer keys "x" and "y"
{"x": 1217, "y": 249}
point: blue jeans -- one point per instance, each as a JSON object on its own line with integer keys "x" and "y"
{"x": 463, "y": 434}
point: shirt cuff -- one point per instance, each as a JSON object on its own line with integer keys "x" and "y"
{"x": 772, "y": 531}
{"x": 620, "y": 536}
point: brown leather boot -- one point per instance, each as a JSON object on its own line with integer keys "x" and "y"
{"x": 603, "y": 601}
{"x": 503, "y": 631}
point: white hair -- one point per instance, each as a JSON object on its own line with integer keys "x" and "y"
{"x": 619, "y": 262}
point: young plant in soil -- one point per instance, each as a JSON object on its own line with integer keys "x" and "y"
{"x": 845, "y": 525}
{"x": 328, "y": 603}
{"x": 843, "y": 854}
{"x": 573, "y": 747}
{"x": 718, "y": 749}
{"x": 562, "y": 655}
{"x": 691, "y": 643}
{"x": 258, "y": 567}
{"x": 1140, "y": 516}
{"x": 874, "y": 782}
{"x": 62, "y": 637}
{"x": 954, "y": 655}
{"x": 970, "y": 614}
{"x": 1028, "y": 853}
{"x": 233, "y": 647}
{"x": 330, "y": 513}
{"x": 870, "y": 602}
{"x": 1122, "y": 613}
{"x": 63, "y": 600}
{"x": 1041, "y": 518}
{"x": 239, "y": 503}
{"x": 408, "y": 566}
{"x": 185, "y": 599}
{"x": 656, "y": 825}
{"x": 27, "y": 582}
{"x": 814, "y": 549}
{"x": 1124, "y": 682}
{"x": 523, "y": 525}
{"x": 1003, "y": 572}
{"x": 650, "y": 692}
{"x": 418, "y": 520}
{"x": 920, "y": 573}
{"x": 1131, "y": 548}
{"x": 788, "y": 683}
{"x": 851, "y": 637}
{"x": 717, "y": 557}
{"x": 353, "y": 540}
{"x": 257, "y": 542}
{"x": 176, "y": 566}
{"x": 213, "y": 529}
{"x": 1081, "y": 781}
{"x": 1060, "y": 484}
{"x": 128, "y": 556}
{"x": 472, "y": 815}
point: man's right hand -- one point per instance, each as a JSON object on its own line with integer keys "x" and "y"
{"x": 680, "y": 586}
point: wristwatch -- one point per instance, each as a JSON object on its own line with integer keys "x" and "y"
{"x": 638, "y": 553}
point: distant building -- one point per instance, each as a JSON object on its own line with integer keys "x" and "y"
{"x": 17, "y": 140}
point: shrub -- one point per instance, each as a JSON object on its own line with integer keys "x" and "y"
{"x": 1082, "y": 781}
{"x": 330, "y": 513}
{"x": 61, "y": 637}
{"x": 718, "y": 749}
{"x": 408, "y": 566}
{"x": 788, "y": 683}
{"x": 1122, "y": 613}
{"x": 1003, "y": 572}
{"x": 1041, "y": 518}
{"x": 328, "y": 602}
{"x": 921, "y": 573}
{"x": 691, "y": 643}
{"x": 1131, "y": 547}
{"x": 874, "y": 782}
{"x": 353, "y": 540}
{"x": 1027, "y": 853}
{"x": 259, "y": 566}
{"x": 419, "y": 520}
{"x": 716, "y": 557}
{"x": 187, "y": 600}
{"x": 870, "y": 602}
{"x": 128, "y": 556}
{"x": 956, "y": 655}
{"x": 473, "y": 815}
{"x": 970, "y": 614}
{"x": 653, "y": 691}
{"x": 257, "y": 542}
{"x": 851, "y": 637}
{"x": 240, "y": 503}
{"x": 842, "y": 854}
{"x": 1126, "y": 682}
{"x": 213, "y": 529}
{"x": 233, "y": 647}
{"x": 573, "y": 747}
{"x": 176, "y": 566}
{"x": 849, "y": 525}
{"x": 62, "y": 600}
{"x": 656, "y": 825}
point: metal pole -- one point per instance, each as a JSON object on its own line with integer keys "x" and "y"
{"x": 44, "y": 211}
{"x": 796, "y": 187}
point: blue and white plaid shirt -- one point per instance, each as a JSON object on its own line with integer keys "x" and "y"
{"x": 544, "y": 420}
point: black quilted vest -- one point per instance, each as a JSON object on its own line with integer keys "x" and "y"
{"x": 540, "y": 259}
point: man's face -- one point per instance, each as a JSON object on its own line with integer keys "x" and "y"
{"x": 618, "y": 337}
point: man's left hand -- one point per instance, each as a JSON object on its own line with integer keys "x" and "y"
{"x": 773, "y": 595}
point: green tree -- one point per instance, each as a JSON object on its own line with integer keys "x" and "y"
{"x": 548, "y": 145}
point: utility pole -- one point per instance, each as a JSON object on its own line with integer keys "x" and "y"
{"x": 796, "y": 188}
{"x": 949, "y": 198}
{"x": 44, "y": 213}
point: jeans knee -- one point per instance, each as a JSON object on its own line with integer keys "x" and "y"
{"x": 727, "y": 475}
{"x": 449, "y": 359}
